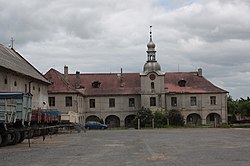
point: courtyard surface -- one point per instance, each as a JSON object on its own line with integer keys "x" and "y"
{"x": 174, "y": 147}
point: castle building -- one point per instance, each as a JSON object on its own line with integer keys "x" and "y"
{"x": 116, "y": 97}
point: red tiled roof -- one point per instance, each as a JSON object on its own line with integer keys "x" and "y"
{"x": 110, "y": 83}
{"x": 58, "y": 83}
{"x": 194, "y": 83}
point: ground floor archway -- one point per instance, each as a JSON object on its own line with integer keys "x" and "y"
{"x": 194, "y": 119}
{"x": 93, "y": 118}
{"x": 112, "y": 121}
{"x": 130, "y": 121}
{"x": 213, "y": 118}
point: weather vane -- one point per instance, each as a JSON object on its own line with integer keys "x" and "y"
{"x": 150, "y": 32}
{"x": 12, "y": 42}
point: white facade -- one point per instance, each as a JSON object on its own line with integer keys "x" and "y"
{"x": 15, "y": 82}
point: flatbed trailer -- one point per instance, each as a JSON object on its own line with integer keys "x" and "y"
{"x": 19, "y": 122}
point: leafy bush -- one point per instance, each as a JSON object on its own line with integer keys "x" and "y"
{"x": 160, "y": 119}
{"x": 145, "y": 115}
{"x": 175, "y": 118}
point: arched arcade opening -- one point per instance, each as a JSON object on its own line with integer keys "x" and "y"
{"x": 93, "y": 118}
{"x": 112, "y": 121}
{"x": 194, "y": 119}
{"x": 130, "y": 121}
{"x": 213, "y": 118}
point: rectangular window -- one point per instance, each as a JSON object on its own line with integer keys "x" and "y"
{"x": 173, "y": 101}
{"x": 131, "y": 102}
{"x": 112, "y": 102}
{"x": 92, "y": 103}
{"x": 193, "y": 101}
{"x": 213, "y": 100}
{"x": 51, "y": 101}
{"x": 152, "y": 101}
{"x": 152, "y": 85}
{"x": 68, "y": 101}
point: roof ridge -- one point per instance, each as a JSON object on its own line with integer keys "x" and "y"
{"x": 30, "y": 64}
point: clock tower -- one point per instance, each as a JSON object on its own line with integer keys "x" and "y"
{"x": 152, "y": 80}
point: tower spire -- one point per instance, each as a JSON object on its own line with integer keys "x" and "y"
{"x": 151, "y": 47}
{"x": 151, "y": 64}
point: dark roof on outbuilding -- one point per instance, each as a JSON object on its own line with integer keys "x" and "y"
{"x": 13, "y": 61}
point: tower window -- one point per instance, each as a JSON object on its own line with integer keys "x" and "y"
{"x": 5, "y": 81}
{"x": 152, "y": 85}
{"x": 15, "y": 83}
{"x": 152, "y": 101}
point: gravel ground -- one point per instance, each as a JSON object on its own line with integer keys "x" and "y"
{"x": 229, "y": 147}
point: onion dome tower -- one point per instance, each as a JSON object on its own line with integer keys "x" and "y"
{"x": 151, "y": 64}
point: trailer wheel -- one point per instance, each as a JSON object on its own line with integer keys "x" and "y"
{"x": 15, "y": 137}
{"x": 5, "y": 139}
{"x": 22, "y": 137}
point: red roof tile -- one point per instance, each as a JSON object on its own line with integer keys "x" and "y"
{"x": 128, "y": 84}
{"x": 194, "y": 83}
{"x": 58, "y": 83}
{"x": 110, "y": 84}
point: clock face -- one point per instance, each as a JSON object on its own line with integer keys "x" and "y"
{"x": 152, "y": 76}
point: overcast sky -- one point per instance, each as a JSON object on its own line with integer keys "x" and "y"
{"x": 106, "y": 35}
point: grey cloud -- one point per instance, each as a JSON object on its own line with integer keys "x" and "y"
{"x": 103, "y": 36}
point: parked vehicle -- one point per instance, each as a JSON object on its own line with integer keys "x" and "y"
{"x": 15, "y": 116}
{"x": 95, "y": 125}
{"x": 18, "y": 121}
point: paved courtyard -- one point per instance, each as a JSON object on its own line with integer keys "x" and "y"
{"x": 134, "y": 147}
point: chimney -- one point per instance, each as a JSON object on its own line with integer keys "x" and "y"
{"x": 66, "y": 72}
{"x": 121, "y": 79}
{"x": 78, "y": 80}
{"x": 200, "y": 72}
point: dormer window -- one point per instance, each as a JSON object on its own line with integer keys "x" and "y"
{"x": 182, "y": 83}
{"x": 96, "y": 84}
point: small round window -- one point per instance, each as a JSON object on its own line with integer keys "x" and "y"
{"x": 152, "y": 76}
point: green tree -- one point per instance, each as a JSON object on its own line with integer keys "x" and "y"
{"x": 175, "y": 118}
{"x": 160, "y": 119}
{"x": 244, "y": 106}
{"x": 145, "y": 115}
{"x": 232, "y": 108}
